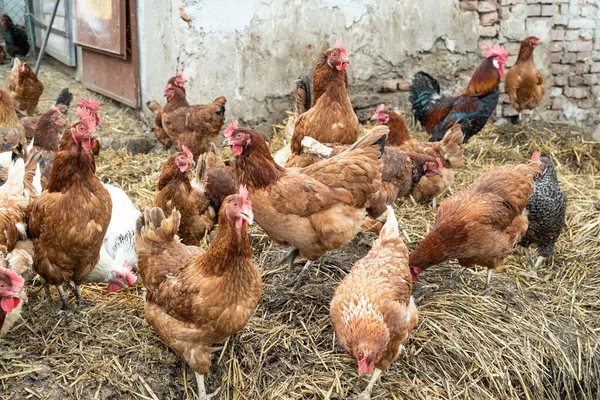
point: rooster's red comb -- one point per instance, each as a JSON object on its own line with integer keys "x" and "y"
{"x": 91, "y": 105}
{"x": 536, "y": 156}
{"x": 232, "y": 127}
{"x": 380, "y": 109}
{"x": 496, "y": 50}
{"x": 340, "y": 46}
{"x": 187, "y": 152}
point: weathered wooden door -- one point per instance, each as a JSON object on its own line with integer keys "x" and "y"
{"x": 60, "y": 43}
{"x": 107, "y": 33}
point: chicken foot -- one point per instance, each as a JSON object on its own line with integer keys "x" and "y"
{"x": 366, "y": 394}
{"x": 202, "y": 389}
{"x": 486, "y": 290}
{"x": 534, "y": 266}
{"x": 76, "y": 289}
{"x": 302, "y": 276}
{"x": 453, "y": 282}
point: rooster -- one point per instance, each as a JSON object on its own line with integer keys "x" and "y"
{"x": 314, "y": 209}
{"x": 196, "y": 298}
{"x": 15, "y": 37}
{"x": 524, "y": 82}
{"x": 547, "y": 208}
{"x": 69, "y": 220}
{"x": 472, "y": 108}
{"x": 372, "y": 310}
{"x": 480, "y": 225}
{"x": 25, "y": 87}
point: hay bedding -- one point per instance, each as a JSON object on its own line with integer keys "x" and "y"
{"x": 528, "y": 339}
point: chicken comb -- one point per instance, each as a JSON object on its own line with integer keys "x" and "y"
{"x": 340, "y": 46}
{"x": 536, "y": 156}
{"x": 130, "y": 277}
{"x": 16, "y": 280}
{"x": 91, "y": 105}
{"x": 188, "y": 154}
{"x": 56, "y": 110}
{"x": 439, "y": 163}
{"x": 380, "y": 109}
{"x": 232, "y": 127}
{"x": 180, "y": 76}
{"x": 243, "y": 192}
{"x": 496, "y": 50}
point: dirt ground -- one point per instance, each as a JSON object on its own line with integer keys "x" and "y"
{"x": 527, "y": 339}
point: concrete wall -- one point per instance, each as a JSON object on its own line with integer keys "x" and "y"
{"x": 251, "y": 51}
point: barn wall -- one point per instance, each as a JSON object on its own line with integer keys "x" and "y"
{"x": 251, "y": 51}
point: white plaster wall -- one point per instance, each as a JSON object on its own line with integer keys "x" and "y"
{"x": 251, "y": 51}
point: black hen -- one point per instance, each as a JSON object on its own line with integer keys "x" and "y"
{"x": 15, "y": 37}
{"x": 547, "y": 208}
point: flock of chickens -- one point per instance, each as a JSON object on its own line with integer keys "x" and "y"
{"x": 314, "y": 195}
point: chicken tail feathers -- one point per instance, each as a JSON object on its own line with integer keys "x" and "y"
{"x": 14, "y": 180}
{"x": 152, "y": 227}
{"x": 220, "y": 102}
{"x": 424, "y": 92}
{"x": 303, "y": 95}
{"x": 376, "y": 137}
{"x": 390, "y": 228}
{"x": 64, "y": 97}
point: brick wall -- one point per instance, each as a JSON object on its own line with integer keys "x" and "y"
{"x": 569, "y": 57}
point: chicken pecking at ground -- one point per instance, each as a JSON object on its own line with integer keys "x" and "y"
{"x": 193, "y": 126}
{"x": 196, "y": 298}
{"x": 450, "y": 150}
{"x": 313, "y": 209}
{"x": 480, "y": 225}
{"x": 471, "y": 109}
{"x": 25, "y": 87}
{"x": 524, "y": 82}
{"x": 68, "y": 221}
{"x": 175, "y": 191}
{"x": 372, "y": 310}
{"x": 547, "y": 208}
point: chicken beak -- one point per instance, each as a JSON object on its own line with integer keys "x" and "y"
{"x": 227, "y": 142}
{"x": 374, "y": 117}
{"x": 247, "y": 216}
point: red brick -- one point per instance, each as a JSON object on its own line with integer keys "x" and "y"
{"x": 590, "y": 79}
{"x": 580, "y": 46}
{"x": 569, "y": 58}
{"x": 555, "y": 57}
{"x": 486, "y": 6}
{"x": 558, "y": 103}
{"x": 488, "y": 19}
{"x": 488, "y": 31}
{"x": 561, "y": 80}
{"x": 580, "y": 68}
{"x": 556, "y": 46}
{"x": 469, "y": 5}
{"x": 584, "y": 55}
{"x": 484, "y": 44}
{"x": 557, "y": 34}
{"x": 576, "y": 80}
{"x": 560, "y": 69}
{"x": 534, "y": 10}
{"x": 577, "y": 92}
{"x": 549, "y": 10}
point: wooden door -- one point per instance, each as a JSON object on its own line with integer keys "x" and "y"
{"x": 106, "y": 30}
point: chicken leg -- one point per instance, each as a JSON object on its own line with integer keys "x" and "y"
{"x": 77, "y": 292}
{"x": 534, "y": 267}
{"x": 202, "y": 389}
{"x": 366, "y": 394}
{"x": 289, "y": 258}
{"x": 488, "y": 280}
{"x": 453, "y": 282}
{"x": 63, "y": 297}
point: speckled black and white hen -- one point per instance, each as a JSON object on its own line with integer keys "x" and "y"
{"x": 547, "y": 208}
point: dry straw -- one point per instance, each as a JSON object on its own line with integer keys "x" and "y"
{"x": 528, "y": 339}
